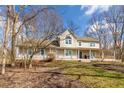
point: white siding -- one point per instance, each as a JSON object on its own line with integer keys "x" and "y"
{"x": 75, "y": 43}
{"x": 62, "y": 40}
{"x": 87, "y": 45}
{"x": 60, "y": 53}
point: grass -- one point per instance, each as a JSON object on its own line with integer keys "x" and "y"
{"x": 92, "y": 76}
{"x": 66, "y": 74}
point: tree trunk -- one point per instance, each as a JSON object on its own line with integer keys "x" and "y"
{"x": 5, "y": 43}
{"x": 4, "y": 61}
{"x": 30, "y": 61}
{"x": 13, "y": 51}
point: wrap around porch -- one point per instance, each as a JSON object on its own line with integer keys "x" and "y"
{"x": 80, "y": 54}
{"x": 84, "y": 54}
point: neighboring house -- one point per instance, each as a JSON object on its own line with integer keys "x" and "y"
{"x": 70, "y": 47}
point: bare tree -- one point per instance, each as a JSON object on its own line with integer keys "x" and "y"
{"x": 42, "y": 31}
{"x": 98, "y": 29}
{"x": 115, "y": 21}
{"x": 72, "y": 26}
{"x": 5, "y": 24}
{"x": 19, "y": 17}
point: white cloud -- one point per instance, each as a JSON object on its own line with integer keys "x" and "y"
{"x": 92, "y": 9}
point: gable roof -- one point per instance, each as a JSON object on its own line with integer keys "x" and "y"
{"x": 85, "y": 39}
{"x": 71, "y": 32}
{"x": 36, "y": 43}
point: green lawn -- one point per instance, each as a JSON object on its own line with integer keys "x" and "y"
{"x": 92, "y": 76}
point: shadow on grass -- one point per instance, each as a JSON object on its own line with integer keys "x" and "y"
{"x": 111, "y": 67}
{"x": 55, "y": 74}
{"x": 58, "y": 71}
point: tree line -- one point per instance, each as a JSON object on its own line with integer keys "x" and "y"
{"x": 108, "y": 28}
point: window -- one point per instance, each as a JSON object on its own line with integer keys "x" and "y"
{"x": 79, "y": 43}
{"x": 68, "y": 40}
{"x": 92, "y": 44}
{"x": 29, "y": 51}
{"x": 68, "y": 53}
{"x": 42, "y": 51}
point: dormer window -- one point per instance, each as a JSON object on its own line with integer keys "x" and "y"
{"x": 68, "y": 40}
{"x": 92, "y": 44}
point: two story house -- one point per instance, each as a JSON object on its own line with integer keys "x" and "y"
{"x": 70, "y": 47}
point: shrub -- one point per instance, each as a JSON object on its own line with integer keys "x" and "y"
{"x": 51, "y": 57}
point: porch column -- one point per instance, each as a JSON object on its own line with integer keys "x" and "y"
{"x": 77, "y": 54}
{"x": 102, "y": 54}
{"x": 90, "y": 54}
{"x": 50, "y": 50}
{"x": 114, "y": 55}
{"x": 17, "y": 52}
{"x": 44, "y": 55}
{"x": 56, "y": 54}
{"x": 64, "y": 54}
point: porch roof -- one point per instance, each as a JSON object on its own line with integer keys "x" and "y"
{"x": 78, "y": 48}
{"x": 87, "y": 39}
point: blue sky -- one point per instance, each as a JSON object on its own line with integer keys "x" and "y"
{"x": 80, "y": 15}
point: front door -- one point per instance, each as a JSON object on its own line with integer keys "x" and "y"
{"x": 80, "y": 55}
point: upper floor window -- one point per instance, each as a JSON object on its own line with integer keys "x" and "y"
{"x": 79, "y": 43}
{"x": 42, "y": 51}
{"x": 92, "y": 44}
{"x": 68, "y": 40}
